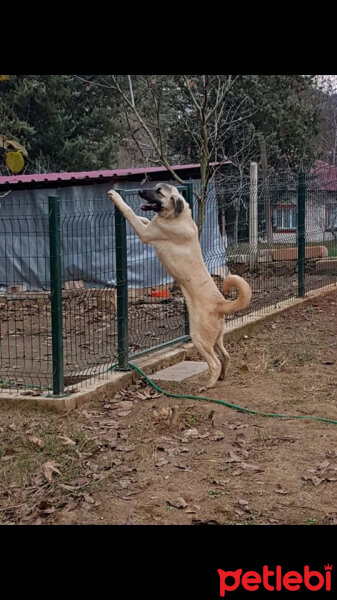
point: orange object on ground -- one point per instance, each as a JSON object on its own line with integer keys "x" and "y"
{"x": 160, "y": 294}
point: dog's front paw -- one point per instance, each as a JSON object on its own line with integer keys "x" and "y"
{"x": 114, "y": 196}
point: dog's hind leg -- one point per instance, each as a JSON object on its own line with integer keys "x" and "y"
{"x": 223, "y": 355}
{"x": 214, "y": 364}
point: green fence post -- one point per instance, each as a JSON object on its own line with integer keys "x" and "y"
{"x": 122, "y": 290}
{"x": 188, "y": 194}
{"x": 301, "y": 234}
{"x": 56, "y": 293}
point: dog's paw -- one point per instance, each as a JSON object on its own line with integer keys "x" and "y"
{"x": 114, "y": 196}
{"x": 207, "y": 387}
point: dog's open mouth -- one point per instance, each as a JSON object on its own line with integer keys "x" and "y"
{"x": 151, "y": 201}
{"x": 149, "y": 206}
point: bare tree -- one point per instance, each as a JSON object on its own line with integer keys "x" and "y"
{"x": 233, "y": 190}
{"x": 205, "y": 110}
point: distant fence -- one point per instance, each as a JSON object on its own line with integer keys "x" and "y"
{"x": 80, "y": 292}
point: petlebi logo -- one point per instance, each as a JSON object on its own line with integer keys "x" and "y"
{"x": 276, "y": 579}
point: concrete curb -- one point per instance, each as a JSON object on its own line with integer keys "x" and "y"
{"x": 99, "y": 388}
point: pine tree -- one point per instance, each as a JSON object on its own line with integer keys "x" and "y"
{"x": 65, "y": 125}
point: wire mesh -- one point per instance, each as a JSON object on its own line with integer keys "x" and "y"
{"x": 154, "y": 313}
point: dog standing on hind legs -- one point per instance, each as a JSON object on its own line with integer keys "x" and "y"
{"x": 174, "y": 235}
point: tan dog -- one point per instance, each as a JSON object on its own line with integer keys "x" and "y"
{"x": 174, "y": 235}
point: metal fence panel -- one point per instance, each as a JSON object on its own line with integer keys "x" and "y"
{"x": 102, "y": 325}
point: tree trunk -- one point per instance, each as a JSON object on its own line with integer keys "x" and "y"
{"x": 236, "y": 223}
{"x": 266, "y": 191}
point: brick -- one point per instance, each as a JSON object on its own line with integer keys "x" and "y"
{"x": 15, "y": 289}
{"x": 265, "y": 255}
{"x": 74, "y": 285}
{"x": 238, "y": 258}
{"x": 291, "y": 253}
{"x": 329, "y": 264}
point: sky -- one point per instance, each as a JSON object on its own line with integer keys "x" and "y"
{"x": 327, "y": 80}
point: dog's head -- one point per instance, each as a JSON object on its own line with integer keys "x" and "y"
{"x": 163, "y": 199}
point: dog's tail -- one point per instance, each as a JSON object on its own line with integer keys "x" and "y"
{"x": 244, "y": 294}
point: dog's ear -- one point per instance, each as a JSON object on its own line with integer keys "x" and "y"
{"x": 178, "y": 206}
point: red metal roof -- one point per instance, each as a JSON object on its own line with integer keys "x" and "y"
{"x": 82, "y": 175}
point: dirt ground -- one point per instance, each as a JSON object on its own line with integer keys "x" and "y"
{"x": 142, "y": 458}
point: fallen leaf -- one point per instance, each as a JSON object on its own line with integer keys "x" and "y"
{"x": 178, "y": 503}
{"x": 37, "y": 480}
{"x": 110, "y": 437}
{"x": 315, "y": 480}
{"x": 80, "y": 481}
{"x": 49, "y": 468}
{"x": 36, "y": 441}
{"x": 88, "y": 499}
{"x": 161, "y": 462}
{"x": 66, "y": 440}
{"x": 126, "y": 448}
{"x": 216, "y": 436}
{"x": 242, "y": 502}
{"x": 162, "y": 414}
{"x": 45, "y": 507}
{"x": 191, "y": 433}
{"x": 331, "y": 518}
{"x": 233, "y": 457}
{"x": 245, "y": 465}
{"x": 209, "y": 522}
{"x": 125, "y": 405}
{"x": 220, "y": 481}
{"x": 182, "y": 467}
{"x": 70, "y": 488}
{"x": 124, "y": 484}
{"x": 323, "y": 465}
{"x": 123, "y": 413}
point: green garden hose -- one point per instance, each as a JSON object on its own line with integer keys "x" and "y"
{"x": 250, "y": 411}
{"x": 228, "y": 404}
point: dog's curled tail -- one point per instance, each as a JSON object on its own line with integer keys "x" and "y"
{"x": 244, "y": 294}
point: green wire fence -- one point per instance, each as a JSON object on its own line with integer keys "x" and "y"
{"x": 69, "y": 310}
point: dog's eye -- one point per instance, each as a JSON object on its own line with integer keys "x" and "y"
{"x": 159, "y": 192}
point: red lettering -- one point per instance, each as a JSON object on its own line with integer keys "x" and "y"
{"x": 307, "y": 576}
{"x": 278, "y": 578}
{"x": 224, "y": 587}
{"x": 251, "y": 581}
{"x": 265, "y": 575}
{"x": 292, "y": 581}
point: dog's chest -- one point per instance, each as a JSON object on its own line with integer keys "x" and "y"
{"x": 167, "y": 255}
{"x": 178, "y": 260}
